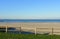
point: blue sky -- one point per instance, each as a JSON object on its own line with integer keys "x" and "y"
{"x": 29, "y": 9}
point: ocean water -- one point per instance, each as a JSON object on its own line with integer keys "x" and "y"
{"x": 29, "y": 20}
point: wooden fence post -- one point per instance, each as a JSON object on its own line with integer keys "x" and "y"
{"x": 6, "y": 29}
{"x": 35, "y": 30}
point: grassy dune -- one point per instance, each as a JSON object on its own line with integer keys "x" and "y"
{"x": 27, "y": 36}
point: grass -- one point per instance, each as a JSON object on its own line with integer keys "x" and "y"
{"x": 27, "y": 36}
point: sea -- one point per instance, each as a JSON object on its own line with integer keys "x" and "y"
{"x": 29, "y": 20}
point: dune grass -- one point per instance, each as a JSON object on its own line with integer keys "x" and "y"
{"x": 27, "y": 36}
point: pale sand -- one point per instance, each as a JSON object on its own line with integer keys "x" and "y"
{"x": 31, "y": 26}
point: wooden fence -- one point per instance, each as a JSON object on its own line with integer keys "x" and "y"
{"x": 43, "y": 30}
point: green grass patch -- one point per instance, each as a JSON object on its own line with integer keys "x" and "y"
{"x": 27, "y": 36}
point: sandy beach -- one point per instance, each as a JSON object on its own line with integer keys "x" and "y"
{"x": 41, "y": 27}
